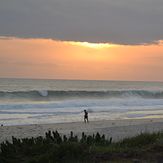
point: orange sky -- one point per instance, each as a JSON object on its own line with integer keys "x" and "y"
{"x": 46, "y": 58}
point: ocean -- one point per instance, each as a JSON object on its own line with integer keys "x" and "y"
{"x": 42, "y": 101}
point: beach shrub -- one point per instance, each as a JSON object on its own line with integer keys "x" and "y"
{"x": 54, "y": 148}
{"x": 51, "y": 148}
{"x": 141, "y": 141}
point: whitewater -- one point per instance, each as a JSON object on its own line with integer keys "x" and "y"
{"x": 40, "y": 101}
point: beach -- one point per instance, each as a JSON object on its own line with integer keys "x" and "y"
{"x": 117, "y": 129}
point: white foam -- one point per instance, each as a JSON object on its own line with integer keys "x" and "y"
{"x": 72, "y": 110}
{"x": 43, "y": 93}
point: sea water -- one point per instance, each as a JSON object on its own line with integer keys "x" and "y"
{"x": 40, "y": 101}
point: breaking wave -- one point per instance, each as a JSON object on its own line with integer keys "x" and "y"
{"x": 48, "y": 95}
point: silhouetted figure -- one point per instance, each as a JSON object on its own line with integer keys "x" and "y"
{"x": 86, "y": 116}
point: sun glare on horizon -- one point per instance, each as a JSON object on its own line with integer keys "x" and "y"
{"x": 94, "y": 45}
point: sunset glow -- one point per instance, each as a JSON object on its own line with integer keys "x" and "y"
{"x": 46, "y": 58}
{"x": 93, "y": 45}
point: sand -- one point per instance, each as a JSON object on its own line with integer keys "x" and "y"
{"x": 117, "y": 129}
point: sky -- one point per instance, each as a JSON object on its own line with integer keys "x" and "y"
{"x": 86, "y": 39}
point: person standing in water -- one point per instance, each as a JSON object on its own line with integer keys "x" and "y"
{"x": 86, "y": 117}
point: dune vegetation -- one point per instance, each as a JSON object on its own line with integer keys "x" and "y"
{"x": 54, "y": 148}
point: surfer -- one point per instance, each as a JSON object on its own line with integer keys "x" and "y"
{"x": 86, "y": 116}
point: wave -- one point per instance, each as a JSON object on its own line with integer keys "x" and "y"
{"x": 49, "y": 95}
{"x": 72, "y": 110}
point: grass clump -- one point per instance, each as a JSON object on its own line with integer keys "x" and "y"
{"x": 54, "y": 148}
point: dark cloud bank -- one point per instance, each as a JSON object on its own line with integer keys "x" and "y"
{"x": 106, "y": 21}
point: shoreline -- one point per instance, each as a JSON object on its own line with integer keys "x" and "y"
{"x": 117, "y": 129}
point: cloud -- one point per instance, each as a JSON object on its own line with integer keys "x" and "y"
{"x": 5, "y": 38}
{"x": 33, "y": 64}
{"x": 104, "y": 21}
